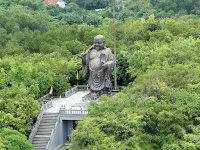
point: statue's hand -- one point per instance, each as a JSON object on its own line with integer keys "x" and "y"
{"x": 82, "y": 55}
{"x": 105, "y": 66}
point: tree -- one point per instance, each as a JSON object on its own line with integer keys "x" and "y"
{"x": 125, "y": 13}
{"x": 72, "y": 18}
{"x": 138, "y": 121}
{"x": 75, "y": 47}
{"x": 96, "y": 4}
{"x": 123, "y": 77}
{"x": 72, "y": 7}
{"x": 95, "y": 20}
{"x": 13, "y": 140}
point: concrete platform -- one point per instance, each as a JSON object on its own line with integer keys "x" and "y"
{"x": 68, "y": 102}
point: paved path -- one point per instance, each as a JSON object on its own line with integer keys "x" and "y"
{"x": 68, "y": 102}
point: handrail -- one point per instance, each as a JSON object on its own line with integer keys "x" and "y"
{"x": 39, "y": 118}
{"x": 82, "y": 87}
{"x": 45, "y": 98}
{"x": 52, "y": 134}
{"x": 46, "y": 106}
{"x": 67, "y": 93}
{"x": 71, "y": 111}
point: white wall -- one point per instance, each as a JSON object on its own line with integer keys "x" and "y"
{"x": 61, "y": 3}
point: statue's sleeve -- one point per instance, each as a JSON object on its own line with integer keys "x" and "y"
{"x": 85, "y": 61}
{"x": 110, "y": 62}
{"x": 85, "y": 65}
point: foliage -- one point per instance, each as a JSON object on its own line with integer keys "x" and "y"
{"x": 94, "y": 20}
{"x": 32, "y": 15}
{"x": 66, "y": 148}
{"x": 26, "y": 78}
{"x": 160, "y": 108}
{"x": 13, "y": 140}
{"x": 137, "y": 119}
{"x": 72, "y": 18}
{"x": 90, "y": 5}
{"x": 39, "y": 48}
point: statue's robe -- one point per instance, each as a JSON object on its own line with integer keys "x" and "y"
{"x": 92, "y": 62}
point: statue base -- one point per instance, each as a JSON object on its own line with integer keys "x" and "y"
{"x": 94, "y": 95}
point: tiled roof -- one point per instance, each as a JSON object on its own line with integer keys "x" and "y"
{"x": 51, "y": 1}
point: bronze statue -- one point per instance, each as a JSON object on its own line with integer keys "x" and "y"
{"x": 97, "y": 61}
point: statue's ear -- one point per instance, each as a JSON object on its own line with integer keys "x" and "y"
{"x": 104, "y": 42}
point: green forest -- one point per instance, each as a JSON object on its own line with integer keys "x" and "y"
{"x": 158, "y": 58}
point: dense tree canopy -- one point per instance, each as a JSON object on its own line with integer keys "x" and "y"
{"x": 13, "y": 140}
{"x": 21, "y": 15}
{"x": 157, "y": 57}
{"x": 160, "y": 109}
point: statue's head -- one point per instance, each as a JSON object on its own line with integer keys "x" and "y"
{"x": 99, "y": 42}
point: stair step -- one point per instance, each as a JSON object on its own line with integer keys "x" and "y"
{"x": 38, "y": 142}
{"x": 49, "y": 117}
{"x": 41, "y": 138}
{"x": 53, "y": 115}
{"x": 47, "y": 123}
{"x": 44, "y": 133}
{"x": 42, "y": 124}
{"x": 45, "y": 130}
{"x": 46, "y": 127}
{"x": 50, "y": 114}
{"x": 48, "y": 120}
{"x": 40, "y": 147}
{"x": 54, "y": 119}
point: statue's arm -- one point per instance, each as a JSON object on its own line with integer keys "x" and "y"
{"x": 85, "y": 64}
{"x": 83, "y": 57}
{"x": 110, "y": 62}
{"x": 85, "y": 61}
{"x": 110, "y": 58}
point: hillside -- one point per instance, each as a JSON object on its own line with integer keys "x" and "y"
{"x": 157, "y": 57}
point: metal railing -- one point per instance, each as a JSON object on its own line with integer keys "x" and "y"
{"x": 46, "y": 106}
{"x": 39, "y": 118}
{"x": 67, "y": 93}
{"x": 53, "y": 132}
{"x": 65, "y": 111}
{"x": 83, "y": 87}
{"x": 44, "y": 99}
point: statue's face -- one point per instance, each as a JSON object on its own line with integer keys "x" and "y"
{"x": 99, "y": 43}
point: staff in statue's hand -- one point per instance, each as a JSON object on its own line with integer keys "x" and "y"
{"x": 82, "y": 55}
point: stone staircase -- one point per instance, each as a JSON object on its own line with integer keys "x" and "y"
{"x": 47, "y": 124}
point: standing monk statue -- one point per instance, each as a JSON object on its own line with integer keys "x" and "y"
{"x": 97, "y": 61}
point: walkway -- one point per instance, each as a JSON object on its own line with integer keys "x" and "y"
{"x": 68, "y": 102}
